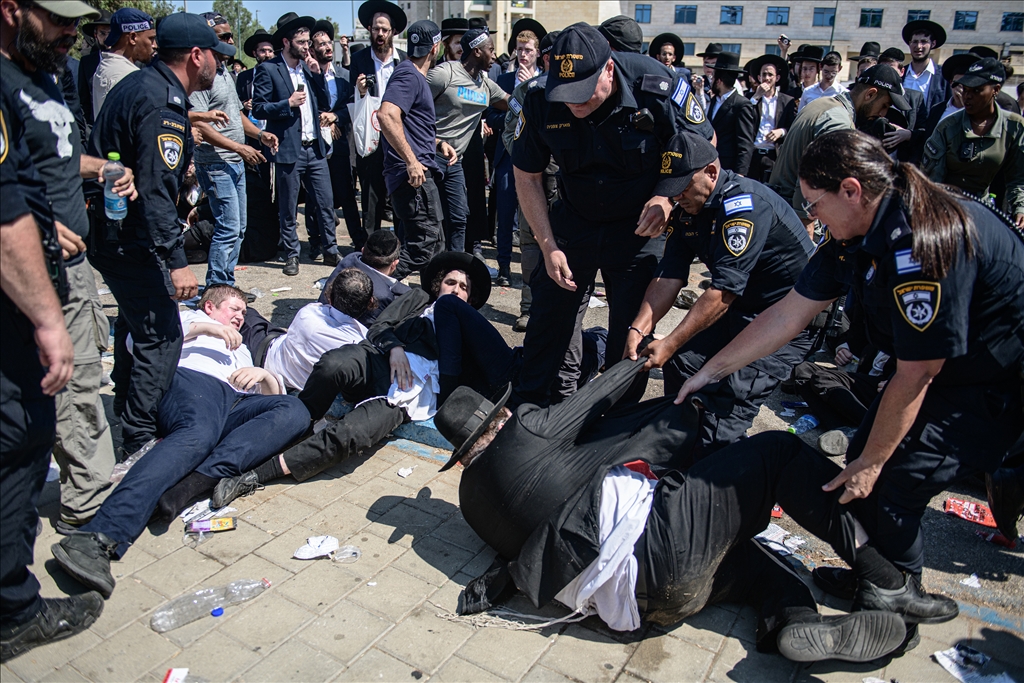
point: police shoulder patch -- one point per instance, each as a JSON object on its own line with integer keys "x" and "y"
{"x": 826, "y": 237}
{"x": 3, "y": 138}
{"x": 741, "y": 203}
{"x": 170, "y": 150}
{"x": 736, "y": 235}
{"x": 918, "y": 302}
{"x": 519, "y": 126}
{"x": 693, "y": 111}
{"x": 655, "y": 84}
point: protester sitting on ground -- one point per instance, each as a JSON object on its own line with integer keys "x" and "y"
{"x": 220, "y": 416}
{"x": 547, "y": 489}
{"x": 378, "y": 259}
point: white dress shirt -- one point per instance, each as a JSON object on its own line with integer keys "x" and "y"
{"x": 816, "y": 91}
{"x": 718, "y": 102}
{"x": 306, "y": 108}
{"x": 767, "y": 125}
{"x": 950, "y": 109}
{"x": 383, "y": 70}
{"x": 316, "y": 329}
{"x": 921, "y": 81}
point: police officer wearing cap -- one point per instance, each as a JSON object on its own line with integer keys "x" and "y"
{"x": 604, "y": 117}
{"x": 755, "y": 247}
{"x": 941, "y": 280}
{"x": 142, "y": 258}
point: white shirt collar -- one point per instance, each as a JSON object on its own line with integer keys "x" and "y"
{"x": 930, "y": 70}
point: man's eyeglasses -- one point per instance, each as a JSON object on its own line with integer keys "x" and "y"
{"x": 808, "y": 207}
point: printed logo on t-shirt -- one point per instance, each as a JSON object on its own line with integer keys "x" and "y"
{"x": 918, "y": 302}
{"x": 58, "y": 116}
{"x": 470, "y": 95}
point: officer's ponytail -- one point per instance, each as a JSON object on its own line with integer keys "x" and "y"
{"x": 940, "y": 225}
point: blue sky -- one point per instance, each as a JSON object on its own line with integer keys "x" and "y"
{"x": 340, "y": 11}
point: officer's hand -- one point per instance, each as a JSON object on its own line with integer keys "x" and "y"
{"x": 361, "y": 84}
{"x": 57, "y": 355}
{"x": 70, "y": 243}
{"x": 448, "y": 152}
{"x": 693, "y": 385}
{"x": 895, "y": 138}
{"x": 843, "y": 356}
{"x": 657, "y": 353}
{"x": 558, "y": 269}
{"x": 184, "y": 282}
{"x": 416, "y": 173}
{"x": 297, "y": 98}
{"x": 633, "y": 340}
{"x": 654, "y": 217}
{"x": 251, "y": 155}
{"x": 124, "y": 186}
{"x": 858, "y": 477}
{"x": 1018, "y": 218}
{"x": 401, "y": 372}
{"x": 271, "y": 141}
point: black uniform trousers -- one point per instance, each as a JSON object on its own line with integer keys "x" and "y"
{"x": 370, "y": 170}
{"x": 959, "y": 431}
{"x": 344, "y": 193}
{"x": 419, "y": 211}
{"x": 28, "y": 423}
{"x": 838, "y": 398}
{"x": 553, "y": 345}
{"x": 143, "y": 375}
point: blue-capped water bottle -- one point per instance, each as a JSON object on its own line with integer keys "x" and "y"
{"x": 115, "y": 207}
{"x": 805, "y": 424}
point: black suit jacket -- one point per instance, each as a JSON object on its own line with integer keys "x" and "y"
{"x": 785, "y": 112}
{"x": 915, "y": 120}
{"x": 243, "y": 84}
{"x": 495, "y": 118}
{"x": 362, "y": 63}
{"x": 735, "y": 124}
{"x": 932, "y": 108}
{"x": 272, "y": 86}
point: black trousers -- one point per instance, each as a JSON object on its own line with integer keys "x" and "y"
{"x": 374, "y": 193}
{"x": 257, "y": 333}
{"x": 696, "y": 547}
{"x": 761, "y": 165}
{"x": 344, "y": 193}
{"x": 419, "y": 210}
{"x": 836, "y": 397}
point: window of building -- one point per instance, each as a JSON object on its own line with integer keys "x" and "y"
{"x": 643, "y": 14}
{"x": 732, "y": 14}
{"x": 1012, "y": 21}
{"x": 772, "y": 49}
{"x": 689, "y": 49}
{"x": 824, "y": 16}
{"x": 686, "y": 14}
{"x": 731, "y": 47}
{"x": 870, "y": 18}
{"x": 777, "y": 16}
{"x": 918, "y": 15}
{"x": 965, "y": 21}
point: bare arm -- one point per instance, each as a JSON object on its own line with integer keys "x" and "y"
{"x": 534, "y": 203}
{"x": 248, "y": 154}
{"x": 709, "y": 307}
{"x": 658, "y": 299}
{"x": 390, "y": 118}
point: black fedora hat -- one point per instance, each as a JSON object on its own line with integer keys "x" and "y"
{"x": 478, "y": 22}
{"x": 368, "y": 9}
{"x": 288, "y": 23}
{"x": 89, "y": 28}
{"x": 475, "y": 269}
{"x": 937, "y": 33}
{"x": 663, "y": 38}
{"x": 869, "y": 50}
{"x": 454, "y": 25}
{"x": 893, "y": 54}
{"x": 712, "y": 50}
{"x": 464, "y": 416}
{"x": 729, "y": 62}
{"x": 984, "y": 51}
{"x": 957, "y": 64}
{"x": 526, "y": 24}
{"x": 811, "y": 53}
{"x": 260, "y": 36}
{"x": 325, "y": 26}
{"x": 780, "y": 64}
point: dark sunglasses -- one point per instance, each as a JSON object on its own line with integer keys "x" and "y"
{"x": 225, "y": 37}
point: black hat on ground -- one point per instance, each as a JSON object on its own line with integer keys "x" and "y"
{"x": 323, "y": 25}
{"x": 623, "y": 34}
{"x": 893, "y": 54}
{"x": 368, "y": 9}
{"x": 454, "y": 25}
{"x": 984, "y": 51}
{"x": 464, "y": 416}
{"x": 261, "y": 36}
{"x": 288, "y": 23}
{"x": 729, "y": 62}
{"x": 937, "y": 33}
{"x": 810, "y": 53}
{"x": 580, "y": 54}
{"x": 869, "y": 50}
{"x": 474, "y": 268}
{"x": 663, "y": 38}
{"x": 183, "y": 30}
{"x": 780, "y": 64}
{"x": 958, "y": 64}
{"x": 886, "y": 78}
{"x": 712, "y": 50}
{"x": 985, "y": 71}
{"x": 683, "y": 156}
{"x": 526, "y": 24}
{"x": 89, "y": 28}
{"x": 423, "y": 35}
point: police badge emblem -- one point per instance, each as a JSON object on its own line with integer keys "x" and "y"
{"x": 918, "y": 302}
{"x": 170, "y": 150}
{"x": 736, "y": 234}
{"x": 694, "y": 112}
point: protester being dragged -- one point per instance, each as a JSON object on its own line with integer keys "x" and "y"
{"x": 776, "y": 112}
{"x": 131, "y": 41}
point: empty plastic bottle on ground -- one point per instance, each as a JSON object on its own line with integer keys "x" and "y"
{"x": 115, "y": 207}
{"x": 805, "y": 424}
{"x": 189, "y": 608}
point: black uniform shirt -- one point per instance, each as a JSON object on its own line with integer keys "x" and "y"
{"x": 145, "y": 119}
{"x": 973, "y": 318}
{"x": 609, "y": 164}
{"x": 749, "y": 238}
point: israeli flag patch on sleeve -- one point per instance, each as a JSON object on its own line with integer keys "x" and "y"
{"x": 681, "y": 91}
{"x": 514, "y": 105}
{"x": 738, "y": 204}
{"x": 905, "y": 262}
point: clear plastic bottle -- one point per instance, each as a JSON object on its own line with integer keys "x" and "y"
{"x": 805, "y": 424}
{"x": 115, "y": 207}
{"x": 199, "y": 604}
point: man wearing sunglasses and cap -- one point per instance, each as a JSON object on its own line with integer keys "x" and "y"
{"x": 132, "y": 40}
{"x": 604, "y": 116}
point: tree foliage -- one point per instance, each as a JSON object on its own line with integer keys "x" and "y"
{"x": 158, "y": 9}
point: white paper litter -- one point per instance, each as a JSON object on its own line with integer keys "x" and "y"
{"x": 201, "y": 510}
{"x": 372, "y": 583}
{"x": 967, "y": 665}
{"x": 103, "y": 291}
{"x": 597, "y": 303}
{"x": 774, "y": 533}
{"x": 317, "y": 546}
{"x": 406, "y": 471}
{"x": 281, "y": 289}
{"x": 971, "y": 581}
{"x": 320, "y": 425}
{"x": 794, "y": 542}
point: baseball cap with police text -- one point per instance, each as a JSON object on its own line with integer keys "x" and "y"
{"x": 422, "y": 36}
{"x": 579, "y": 55}
{"x": 128, "y": 20}
{"x": 682, "y": 157}
{"x": 886, "y": 78}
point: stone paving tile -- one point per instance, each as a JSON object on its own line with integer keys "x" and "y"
{"x": 230, "y": 546}
{"x": 294, "y": 661}
{"x": 320, "y": 586}
{"x": 181, "y": 569}
{"x": 510, "y": 654}
{"x": 184, "y": 636}
{"x": 706, "y": 628}
{"x": 424, "y": 640}
{"x": 43, "y": 661}
{"x": 321, "y": 490}
{"x": 377, "y": 553}
{"x": 457, "y": 670}
{"x": 377, "y": 495}
{"x": 8, "y": 675}
{"x": 480, "y": 563}
{"x": 132, "y": 562}
{"x": 131, "y": 599}
{"x": 340, "y": 519}
{"x": 404, "y": 525}
{"x": 359, "y": 470}
{"x": 542, "y": 674}
{"x": 266, "y": 622}
{"x": 278, "y": 514}
{"x": 156, "y": 543}
{"x": 837, "y": 672}
{"x": 344, "y": 631}
{"x": 377, "y": 666}
{"x": 745, "y": 626}
{"x": 664, "y": 659}
{"x": 393, "y": 593}
{"x": 249, "y": 567}
{"x": 446, "y": 598}
{"x": 433, "y": 560}
{"x": 280, "y": 550}
{"x": 214, "y": 657}
{"x": 739, "y": 660}
{"x": 587, "y": 656}
{"x": 423, "y": 471}
{"x": 135, "y": 651}
{"x": 65, "y": 675}
{"x": 458, "y": 532}
{"x": 437, "y": 498}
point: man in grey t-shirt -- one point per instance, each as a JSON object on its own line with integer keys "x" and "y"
{"x": 220, "y": 160}
{"x": 461, "y": 93}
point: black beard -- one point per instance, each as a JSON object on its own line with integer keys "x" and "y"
{"x": 295, "y": 52}
{"x": 40, "y": 54}
{"x": 382, "y": 50}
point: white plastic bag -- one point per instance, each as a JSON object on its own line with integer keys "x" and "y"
{"x": 365, "y": 127}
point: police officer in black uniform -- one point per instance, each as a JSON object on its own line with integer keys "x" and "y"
{"x": 604, "y": 117}
{"x": 755, "y": 247}
{"x": 940, "y": 279}
{"x": 142, "y": 259}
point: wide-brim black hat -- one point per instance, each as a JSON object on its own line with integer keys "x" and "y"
{"x": 475, "y": 269}
{"x": 371, "y": 7}
{"x": 663, "y": 38}
{"x": 984, "y": 51}
{"x": 464, "y": 416}
{"x": 729, "y": 62}
{"x": 811, "y": 53}
{"x": 526, "y": 24}
{"x": 89, "y": 28}
{"x": 957, "y": 64}
{"x": 453, "y": 26}
{"x": 936, "y": 31}
{"x": 869, "y": 50}
{"x": 780, "y": 64}
{"x": 250, "y": 44}
{"x": 325, "y": 26}
{"x": 288, "y": 23}
{"x": 712, "y": 50}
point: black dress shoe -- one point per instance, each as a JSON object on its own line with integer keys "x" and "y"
{"x": 86, "y": 557}
{"x": 57, "y": 618}
{"x": 291, "y": 266}
{"x": 230, "y": 488}
{"x": 1005, "y": 500}
{"x": 910, "y": 602}
{"x": 315, "y": 253}
{"x": 330, "y": 259}
{"x": 857, "y": 637}
{"x": 836, "y": 581}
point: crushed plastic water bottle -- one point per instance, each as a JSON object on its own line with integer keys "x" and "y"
{"x": 805, "y": 424}
{"x": 346, "y": 554}
{"x": 121, "y": 468}
{"x": 258, "y": 293}
{"x": 203, "y": 602}
{"x": 115, "y": 207}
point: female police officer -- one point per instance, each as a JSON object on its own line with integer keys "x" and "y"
{"x": 942, "y": 279}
